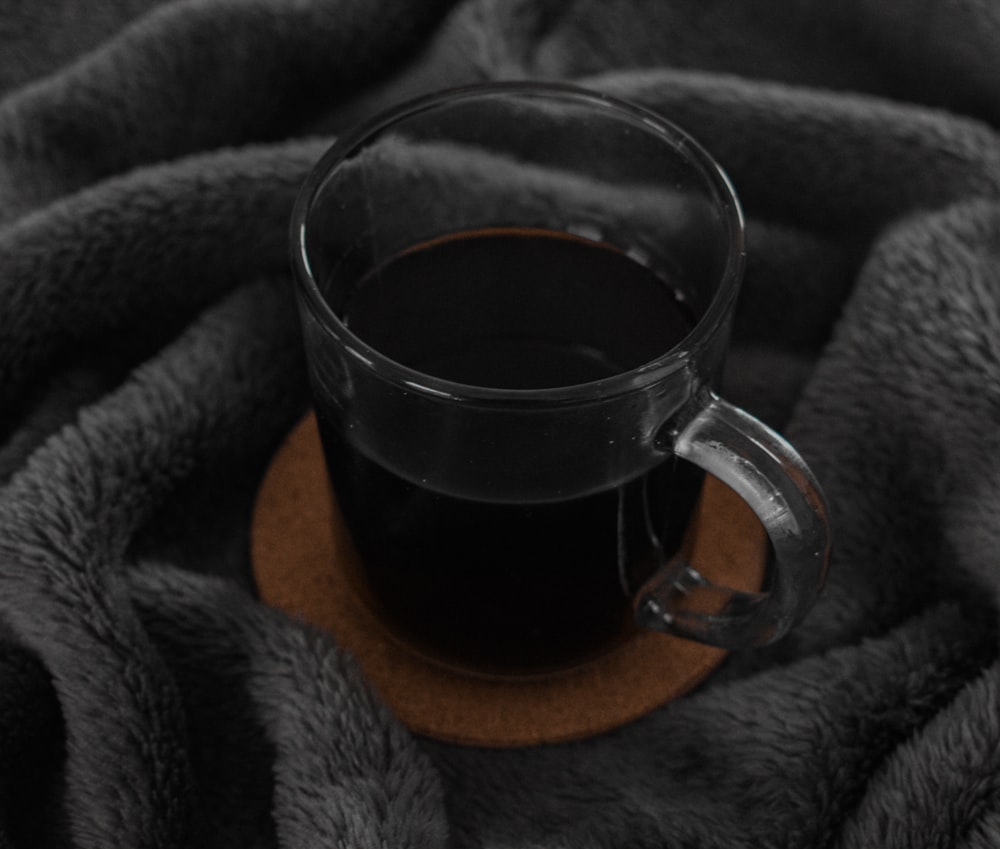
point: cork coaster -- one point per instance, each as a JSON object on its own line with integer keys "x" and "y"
{"x": 303, "y": 558}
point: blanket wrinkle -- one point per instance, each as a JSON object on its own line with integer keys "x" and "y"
{"x": 140, "y": 270}
{"x": 939, "y": 790}
{"x": 31, "y": 743}
{"x": 309, "y": 702}
{"x": 120, "y": 107}
{"x": 62, "y": 570}
{"x": 150, "y": 362}
{"x": 716, "y": 791}
{"x": 832, "y": 141}
{"x": 35, "y": 40}
{"x": 903, "y": 333}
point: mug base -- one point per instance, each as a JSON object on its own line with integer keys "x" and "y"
{"x": 304, "y": 564}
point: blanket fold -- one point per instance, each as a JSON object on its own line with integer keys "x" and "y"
{"x": 150, "y": 363}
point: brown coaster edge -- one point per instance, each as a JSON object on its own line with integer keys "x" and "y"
{"x": 301, "y": 558}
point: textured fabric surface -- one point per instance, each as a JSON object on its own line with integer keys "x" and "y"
{"x": 150, "y": 362}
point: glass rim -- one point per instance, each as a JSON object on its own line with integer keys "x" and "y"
{"x": 681, "y": 143}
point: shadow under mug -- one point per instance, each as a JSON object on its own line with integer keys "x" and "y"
{"x": 516, "y": 301}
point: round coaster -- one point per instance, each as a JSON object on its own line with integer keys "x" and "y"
{"x": 303, "y": 559}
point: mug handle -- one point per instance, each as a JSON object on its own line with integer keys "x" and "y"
{"x": 767, "y": 472}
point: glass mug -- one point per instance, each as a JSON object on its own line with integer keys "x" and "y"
{"x": 516, "y": 301}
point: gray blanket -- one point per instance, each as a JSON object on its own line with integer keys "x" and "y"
{"x": 150, "y": 363}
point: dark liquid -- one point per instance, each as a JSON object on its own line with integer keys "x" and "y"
{"x": 511, "y": 587}
{"x": 517, "y": 309}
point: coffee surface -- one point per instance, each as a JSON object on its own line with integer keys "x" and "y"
{"x": 517, "y": 309}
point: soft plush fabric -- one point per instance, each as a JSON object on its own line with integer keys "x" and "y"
{"x": 150, "y": 363}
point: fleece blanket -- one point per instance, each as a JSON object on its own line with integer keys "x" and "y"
{"x": 150, "y": 362}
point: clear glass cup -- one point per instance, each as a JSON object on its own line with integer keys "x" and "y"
{"x": 516, "y": 426}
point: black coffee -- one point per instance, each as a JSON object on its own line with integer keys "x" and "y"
{"x": 511, "y": 587}
{"x": 517, "y": 309}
